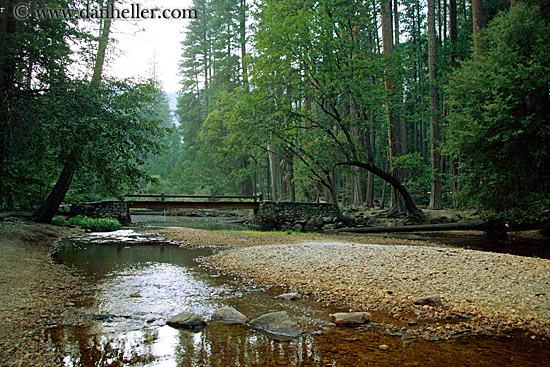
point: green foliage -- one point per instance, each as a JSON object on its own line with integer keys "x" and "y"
{"x": 95, "y": 224}
{"x": 500, "y": 118}
{"x": 59, "y": 222}
{"x": 47, "y": 114}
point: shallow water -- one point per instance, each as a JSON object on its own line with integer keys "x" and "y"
{"x": 136, "y": 282}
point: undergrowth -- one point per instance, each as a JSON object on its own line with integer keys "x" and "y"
{"x": 93, "y": 224}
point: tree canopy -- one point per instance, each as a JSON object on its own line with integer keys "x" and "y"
{"x": 398, "y": 104}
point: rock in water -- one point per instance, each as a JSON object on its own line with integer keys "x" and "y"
{"x": 289, "y": 297}
{"x": 277, "y": 323}
{"x": 229, "y": 314}
{"x": 187, "y": 320}
{"x": 350, "y": 318}
{"x": 434, "y": 301}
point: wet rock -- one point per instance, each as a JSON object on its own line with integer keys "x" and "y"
{"x": 277, "y": 323}
{"x": 289, "y": 297}
{"x": 434, "y": 301}
{"x": 229, "y": 314}
{"x": 350, "y": 318}
{"x": 187, "y": 320}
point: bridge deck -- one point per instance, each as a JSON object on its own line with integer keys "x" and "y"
{"x": 194, "y": 204}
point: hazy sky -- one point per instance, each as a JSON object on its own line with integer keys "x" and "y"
{"x": 139, "y": 42}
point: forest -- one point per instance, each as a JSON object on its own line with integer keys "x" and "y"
{"x": 399, "y": 104}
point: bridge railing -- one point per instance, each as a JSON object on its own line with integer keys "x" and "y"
{"x": 210, "y": 198}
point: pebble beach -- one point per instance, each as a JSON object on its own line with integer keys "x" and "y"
{"x": 490, "y": 292}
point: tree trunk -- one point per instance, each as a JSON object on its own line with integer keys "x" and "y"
{"x": 435, "y": 196}
{"x": 47, "y": 210}
{"x": 49, "y": 207}
{"x": 369, "y": 196}
{"x": 453, "y": 37}
{"x": 101, "y": 50}
{"x": 8, "y": 29}
{"x": 478, "y": 20}
{"x": 392, "y": 104}
{"x": 274, "y": 173}
{"x": 242, "y": 31}
{"x": 411, "y": 209}
{"x": 464, "y": 226}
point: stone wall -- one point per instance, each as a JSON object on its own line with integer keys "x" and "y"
{"x": 290, "y": 215}
{"x": 103, "y": 209}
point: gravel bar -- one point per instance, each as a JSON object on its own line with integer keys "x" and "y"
{"x": 493, "y": 291}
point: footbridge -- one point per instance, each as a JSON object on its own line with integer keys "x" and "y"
{"x": 160, "y": 201}
{"x": 268, "y": 214}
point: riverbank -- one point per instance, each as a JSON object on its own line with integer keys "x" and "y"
{"x": 481, "y": 292}
{"x": 33, "y": 291}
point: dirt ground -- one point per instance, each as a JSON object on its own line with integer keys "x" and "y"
{"x": 33, "y": 291}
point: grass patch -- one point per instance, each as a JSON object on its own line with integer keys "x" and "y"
{"x": 95, "y": 224}
{"x": 260, "y": 233}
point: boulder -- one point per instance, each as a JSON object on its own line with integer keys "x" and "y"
{"x": 229, "y": 314}
{"x": 434, "y": 301}
{"x": 289, "y": 297}
{"x": 187, "y": 320}
{"x": 350, "y": 318}
{"x": 277, "y": 323}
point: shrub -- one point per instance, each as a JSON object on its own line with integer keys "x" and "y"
{"x": 59, "y": 222}
{"x": 96, "y": 224}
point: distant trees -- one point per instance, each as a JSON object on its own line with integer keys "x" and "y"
{"x": 440, "y": 103}
{"x": 325, "y": 91}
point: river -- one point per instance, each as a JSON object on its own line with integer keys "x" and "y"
{"x": 136, "y": 281}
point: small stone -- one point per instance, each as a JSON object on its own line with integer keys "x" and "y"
{"x": 289, "y": 297}
{"x": 383, "y": 347}
{"x": 187, "y": 320}
{"x": 69, "y": 304}
{"x": 350, "y": 318}
{"x": 229, "y": 314}
{"x": 277, "y": 323}
{"x": 434, "y": 301}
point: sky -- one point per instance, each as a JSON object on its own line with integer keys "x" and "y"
{"x": 139, "y": 42}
